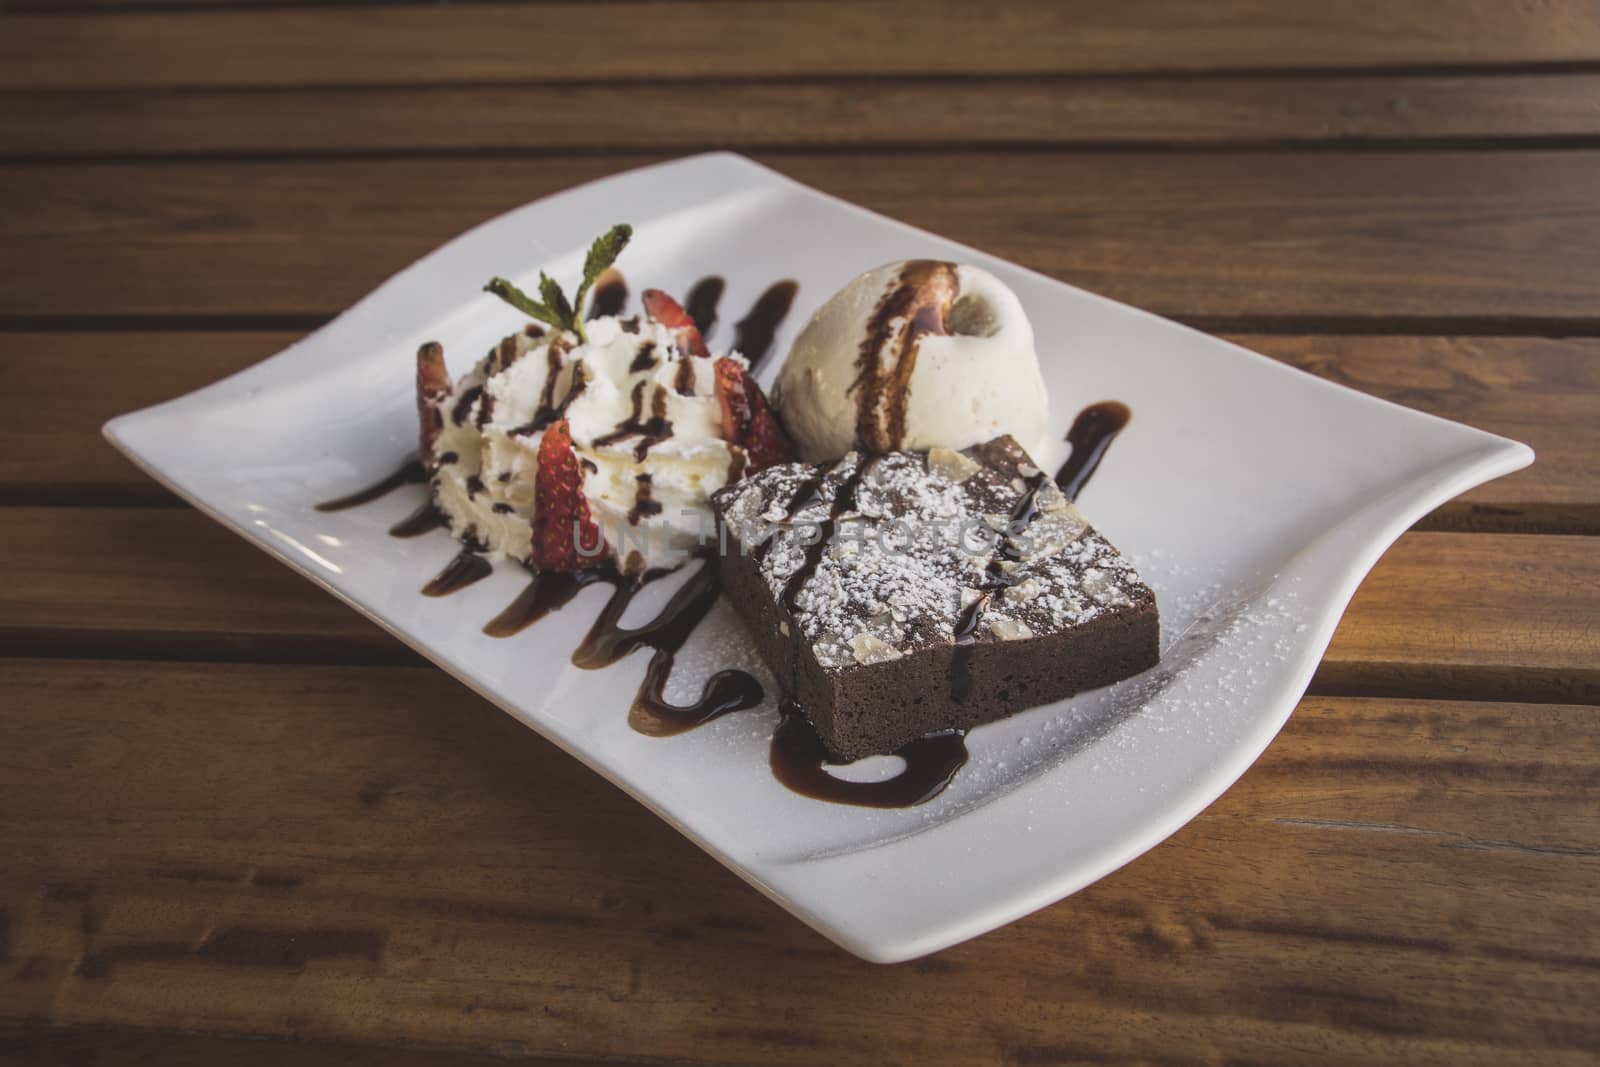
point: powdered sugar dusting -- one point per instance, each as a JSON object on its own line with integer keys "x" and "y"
{"x": 900, "y": 564}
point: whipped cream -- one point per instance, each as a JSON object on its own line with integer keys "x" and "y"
{"x": 914, "y": 355}
{"x": 646, "y": 426}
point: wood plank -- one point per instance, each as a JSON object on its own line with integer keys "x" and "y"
{"x": 135, "y": 581}
{"x": 1425, "y": 242}
{"x": 378, "y": 856}
{"x": 112, "y": 6}
{"x": 1248, "y": 111}
{"x": 57, "y": 455}
{"x": 1540, "y": 391}
{"x": 1544, "y": 392}
{"x": 557, "y": 42}
{"x": 1447, "y": 614}
{"x": 30, "y": 1044}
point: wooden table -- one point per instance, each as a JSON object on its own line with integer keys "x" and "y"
{"x": 231, "y": 810}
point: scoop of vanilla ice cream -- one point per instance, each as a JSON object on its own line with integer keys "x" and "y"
{"x": 646, "y": 426}
{"x": 910, "y": 356}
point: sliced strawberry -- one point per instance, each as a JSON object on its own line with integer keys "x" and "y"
{"x": 433, "y": 385}
{"x": 766, "y": 443}
{"x": 747, "y": 420}
{"x": 735, "y": 402}
{"x": 561, "y": 519}
{"x": 669, "y": 313}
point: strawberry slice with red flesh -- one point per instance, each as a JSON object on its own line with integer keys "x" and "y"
{"x": 433, "y": 385}
{"x": 561, "y": 519}
{"x": 669, "y": 313}
{"x": 747, "y": 419}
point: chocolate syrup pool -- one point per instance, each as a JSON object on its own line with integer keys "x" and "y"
{"x": 797, "y": 756}
{"x": 800, "y": 762}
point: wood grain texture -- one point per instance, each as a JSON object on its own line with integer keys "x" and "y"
{"x": 378, "y": 856}
{"x": 57, "y": 455}
{"x": 556, "y": 42}
{"x": 1253, "y": 111}
{"x": 1462, "y": 614}
{"x": 38, "y": 1044}
{"x": 240, "y": 824}
{"x": 1543, "y": 392}
{"x": 1428, "y": 615}
{"x": 1435, "y": 241}
{"x": 174, "y": 6}
{"x": 70, "y": 565}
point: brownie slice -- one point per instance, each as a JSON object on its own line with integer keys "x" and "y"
{"x": 899, "y": 595}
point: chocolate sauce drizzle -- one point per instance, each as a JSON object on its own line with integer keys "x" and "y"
{"x": 607, "y": 642}
{"x": 426, "y": 517}
{"x": 807, "y": 494}
{"x": 994, "y": 579}
{"x": 464, "y": 402}
{"x": 799, "y": 761}
{"x": 844, "y": 498}
{"x": 410, "y": 473}
{"x": 548, "y": 410}
{"x": 752, "y": 336}
{"x": 911, "y": 308}
{"x": 644, "y": 500}
{"x": 547, "y": 591}
{"x": 466, "y": 568}
{"x": 1090, "y": 436}
{"x": 701, "y": 305}
{"x": 683, "y": 379}
{"x": 1092, "y": 433}
{"x": 644, "y": 359}
{"x": 651, "y": 431}
{"x": 609, "y": 295}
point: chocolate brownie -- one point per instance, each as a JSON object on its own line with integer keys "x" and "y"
{"x": 908, "y": 593}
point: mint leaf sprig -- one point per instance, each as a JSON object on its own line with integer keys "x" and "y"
{"x": 552, "y": 307}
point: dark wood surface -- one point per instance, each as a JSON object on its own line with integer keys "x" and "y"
{"x": 239, "y": 824}
{"x": 1393, "y": 241}
{"x": 315, "y": 43}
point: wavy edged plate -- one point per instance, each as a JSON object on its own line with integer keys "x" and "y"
{"x": 1253, "y": 496}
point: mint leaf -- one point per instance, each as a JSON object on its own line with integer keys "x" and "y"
{"x": 556, "y": 301}
{"x": 524, "y": 303}
{"x": 555, "y": 310}
{"x": 602, "y": 254}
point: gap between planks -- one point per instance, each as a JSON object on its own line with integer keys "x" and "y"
{"x": 1345, "y": 146}
{"x": 1312, "y": 112}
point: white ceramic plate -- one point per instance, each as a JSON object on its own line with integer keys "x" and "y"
{"x": 1254, "y": 498}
